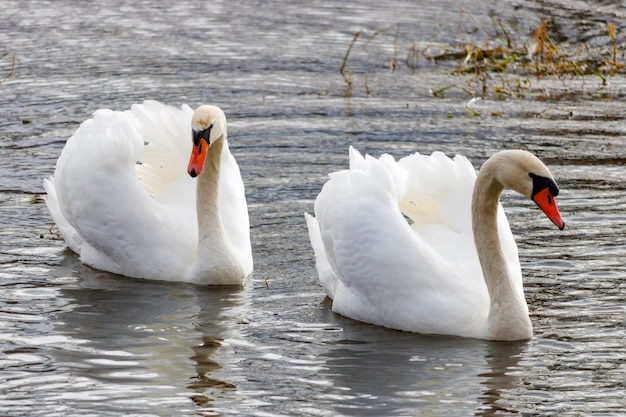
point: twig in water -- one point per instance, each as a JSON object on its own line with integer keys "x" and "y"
{"x": 342, "y": 70}
{"x": 10, "y": 74}
{"x": 345, "y": 58}
{"x": 394, "y": 61}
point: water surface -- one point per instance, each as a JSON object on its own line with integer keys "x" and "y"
{"x": 80, "y": 342}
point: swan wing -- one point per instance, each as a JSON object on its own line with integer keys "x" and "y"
{"x": 109, "y": 194}
{"x": 438, "y": 201}
{"x": 162, "y": 169}
{"x": 439, "y": 198}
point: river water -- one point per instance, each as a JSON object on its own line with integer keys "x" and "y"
{"x": 80, "y": 342}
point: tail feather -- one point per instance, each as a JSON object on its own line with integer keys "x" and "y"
{"x": 70, "y": 235}
{"x": 327, "y": 276}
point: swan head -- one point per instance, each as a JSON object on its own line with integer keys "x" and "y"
{"x": 208, "y": 125}
{"x": 525, "y": 173}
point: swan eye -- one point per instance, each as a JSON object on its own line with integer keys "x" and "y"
{"x": 203, "y": 134}
{"x": 541, "y": 183}
{"x": 206, "y": 133}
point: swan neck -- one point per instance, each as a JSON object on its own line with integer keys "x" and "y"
{"x": 485, "y": 199}
{"x": 506, "y": 309}
{"x": 207, "y": 190}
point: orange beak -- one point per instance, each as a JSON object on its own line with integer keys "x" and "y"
{"x": 198, "y": 155}
{"x": 546, "y": 202}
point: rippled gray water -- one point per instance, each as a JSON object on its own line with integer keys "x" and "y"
{"x": 79, "y": 342}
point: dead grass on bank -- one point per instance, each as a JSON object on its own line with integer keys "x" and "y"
{"x": 502, "y": 66}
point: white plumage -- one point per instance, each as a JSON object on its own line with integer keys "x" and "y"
{"x": 123, "y": 200}
{"x": 421, "y": 275}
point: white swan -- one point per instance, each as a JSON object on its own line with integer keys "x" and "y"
{"x": 122, "y": 198}
{"x": 455, "y": 269}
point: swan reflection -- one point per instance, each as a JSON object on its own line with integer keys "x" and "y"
{"x": 377, "y": 371}
{"x": 130, "y": 339}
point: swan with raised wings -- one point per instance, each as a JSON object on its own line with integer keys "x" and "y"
{"x": 124, "y": 198}
{"x": 452, "y": 268}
